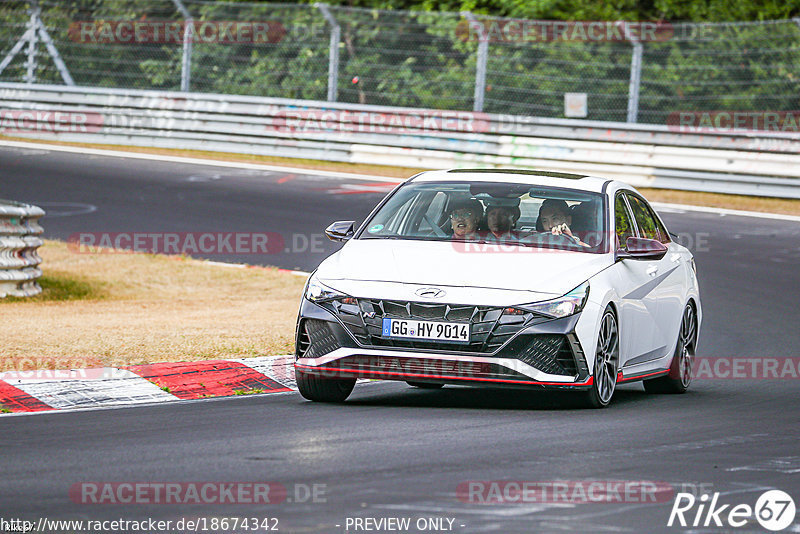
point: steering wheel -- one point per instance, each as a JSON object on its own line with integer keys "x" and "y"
{"x": 548, "y": 238}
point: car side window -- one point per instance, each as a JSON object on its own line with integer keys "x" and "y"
{"x": 663, "y": 235}
{"x": 623, "y": 221}
{"x": 648, "y": 223}
{"x": 662, "y": 231}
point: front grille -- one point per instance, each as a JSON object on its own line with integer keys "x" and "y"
{"x": 316, "y": 339}
{"x": 549, "y": 353}
{"x": 489, "y": 328}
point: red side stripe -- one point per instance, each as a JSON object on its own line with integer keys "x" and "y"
{"x": 17, "y": 400}
{"x": 621, "y": 378}
{"x": 193, "y": 380}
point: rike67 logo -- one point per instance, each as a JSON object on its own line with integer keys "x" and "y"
{"x": 774, "y": 510}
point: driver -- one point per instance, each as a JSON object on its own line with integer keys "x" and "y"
{"x": 555, "y": 218}
{"x": 464, "y": 218}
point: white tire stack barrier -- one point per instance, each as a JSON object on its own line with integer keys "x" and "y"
{"x": 19, "y": 241}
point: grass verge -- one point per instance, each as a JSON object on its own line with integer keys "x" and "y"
{"x": 737, "y": 202}
{"x": 112, "y": 309}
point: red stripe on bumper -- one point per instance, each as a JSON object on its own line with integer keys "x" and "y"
{"x": 622, "y": 378}
{"x": 193, "y": 380}
{"x": 368, "y": 373}
{"x": 16, "y": 400}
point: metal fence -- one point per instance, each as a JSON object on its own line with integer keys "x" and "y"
{"x": 455, "y": 61}
{"x": 643, "y": 155}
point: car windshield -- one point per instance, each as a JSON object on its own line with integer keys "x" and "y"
{"x": 492, "y": 213}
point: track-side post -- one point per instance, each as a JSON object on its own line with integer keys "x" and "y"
{"x": 333, "y": 51}
{"x": 483, "y": 56}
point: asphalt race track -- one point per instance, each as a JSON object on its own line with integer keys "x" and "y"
{"x": 393, "y": 451}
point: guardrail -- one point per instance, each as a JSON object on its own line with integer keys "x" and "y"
{"x": 19, "y": 241}
{"x": 763, "y": 163}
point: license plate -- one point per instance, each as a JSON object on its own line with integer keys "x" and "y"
{"x": 413, "y": 329}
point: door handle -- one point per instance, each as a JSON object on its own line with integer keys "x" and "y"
{"x": 652, "y": 271}
{"x": 675, "y": 258}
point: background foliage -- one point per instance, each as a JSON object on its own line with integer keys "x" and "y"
{"x": 420, "y": 57}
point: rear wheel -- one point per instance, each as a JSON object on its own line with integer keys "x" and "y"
{"x": 321, "y": 389}
{"x": 682, "y": 367}
{"x": 606, "y": 362}
{"x": 425, "y": 385}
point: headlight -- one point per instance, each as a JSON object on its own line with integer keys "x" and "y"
{"x": 317, "y": 292}
{"x": 569, "y": 304}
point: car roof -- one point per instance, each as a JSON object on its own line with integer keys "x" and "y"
{"x": 521, "y": 176}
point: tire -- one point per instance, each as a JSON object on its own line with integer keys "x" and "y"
{"x": 606, "y": 363}
{"x": 425, "y": 385}
{"x": 681, "y": 368}
{"x": 320, "y": 389}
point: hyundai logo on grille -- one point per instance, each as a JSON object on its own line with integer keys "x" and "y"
{"x": 431, "y": 292}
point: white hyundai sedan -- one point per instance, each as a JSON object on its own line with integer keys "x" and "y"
{"x": 502, "y": 278}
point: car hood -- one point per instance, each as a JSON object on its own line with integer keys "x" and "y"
{"x": 543, "y": 273}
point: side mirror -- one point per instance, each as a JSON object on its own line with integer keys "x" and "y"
{"x": 639, "y": 248}
{"x": 341, "y": 230}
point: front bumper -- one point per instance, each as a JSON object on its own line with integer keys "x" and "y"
{"x": 538, "y": 352}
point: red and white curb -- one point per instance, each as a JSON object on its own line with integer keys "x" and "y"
{"x": 42, "y": 390}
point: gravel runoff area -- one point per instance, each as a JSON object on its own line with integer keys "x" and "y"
{"x": 106, "y": 309}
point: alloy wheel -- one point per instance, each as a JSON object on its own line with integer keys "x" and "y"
{"x": 607, "y": 358}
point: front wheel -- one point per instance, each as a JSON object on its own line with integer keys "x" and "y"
{"x": 606, "y": 362}
{"x": 320, "y": 389}
{"x": 681, "y": 368}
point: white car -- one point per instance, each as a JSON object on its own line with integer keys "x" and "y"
{"x": 502, "y": 278}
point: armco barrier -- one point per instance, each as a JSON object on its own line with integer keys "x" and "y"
{"x": 19, "y": 241}
{"x": 763, "y": 163}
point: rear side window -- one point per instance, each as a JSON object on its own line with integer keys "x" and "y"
{"x": 647, "y": 220}
{"x": 623, "y": 223}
